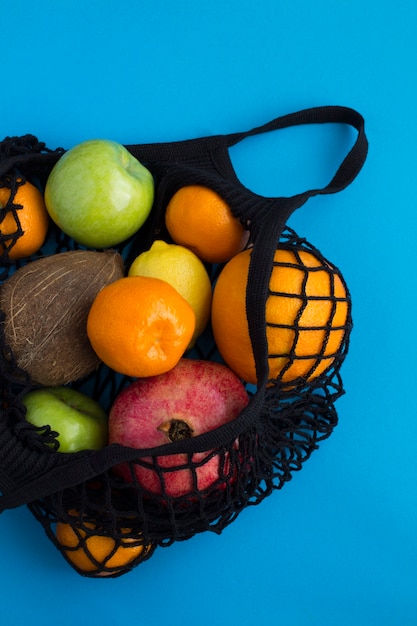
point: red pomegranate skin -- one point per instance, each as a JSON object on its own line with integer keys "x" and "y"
{"x": 194, "y": 397}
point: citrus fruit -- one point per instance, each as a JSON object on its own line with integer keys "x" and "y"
{"x": 140, "y": 326}
{"x": 198, "y": 218}
{"x": 95, "y": 552}
{"x": 306, "y": 316}
{"x": 182, "y": 269}
{"x": 26, "y": 227}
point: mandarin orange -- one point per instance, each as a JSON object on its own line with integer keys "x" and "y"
{"x": 140, "y": 326}
{"x": 199, "y": 219}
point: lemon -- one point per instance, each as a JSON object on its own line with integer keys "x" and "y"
{"x": 184, "y": 271}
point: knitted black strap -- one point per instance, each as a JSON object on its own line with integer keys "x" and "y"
{"x": 190, "y": 149}
{"x": 353, "y": 161}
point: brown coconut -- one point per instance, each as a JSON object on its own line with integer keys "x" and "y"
{"x": 46, "y": 304}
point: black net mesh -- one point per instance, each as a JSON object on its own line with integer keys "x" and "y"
{"x": 104, "y": 524}
{"x": 10, "y": 209}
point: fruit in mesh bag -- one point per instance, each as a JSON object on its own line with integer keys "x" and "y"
{"x": 199, "y": 218}
{"x": 306, "y": 316}
{"x": 194, "y": 397}
{"x": 92, "y": 551}
{"x": 79, "y": 420}
{"x": 24, "y": 227}
{"x": 182, "y": 269}
{"x": 98, "y": 193}
{"x": 46, "y": 304}
{"x": 140, "y": 326}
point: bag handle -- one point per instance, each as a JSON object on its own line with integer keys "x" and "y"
{"x": 353, "y": 161}
{"x": 217, "y": 145}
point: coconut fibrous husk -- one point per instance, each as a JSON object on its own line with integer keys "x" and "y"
{"x": 46, "y": 305}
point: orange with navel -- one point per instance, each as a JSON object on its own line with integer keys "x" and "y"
{"x": 306, "y": 316}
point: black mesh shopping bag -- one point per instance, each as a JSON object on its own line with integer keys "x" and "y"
{"x": 81, "y": 498}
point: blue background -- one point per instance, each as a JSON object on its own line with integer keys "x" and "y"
{"x": 338, "y": 544}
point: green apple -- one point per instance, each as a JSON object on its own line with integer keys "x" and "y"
{"x": 80, "y": 421}
{"x": 98, "y": 193}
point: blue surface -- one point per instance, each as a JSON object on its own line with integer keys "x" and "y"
{"x": 338, "y": 545}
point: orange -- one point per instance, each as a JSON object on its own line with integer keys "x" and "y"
{"x": 140, "y": 326}
{"x": 199, "y": 219}
{"x": 27, "y": 226}
{"x": 97, "y": 552}
{"x": 305, "y": 324}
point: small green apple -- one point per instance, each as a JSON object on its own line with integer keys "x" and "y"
{"x": 80, "y": 421}
{"x": 98, "y": 193}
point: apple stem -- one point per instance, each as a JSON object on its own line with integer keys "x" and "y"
{"x": 176, "y": 429}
